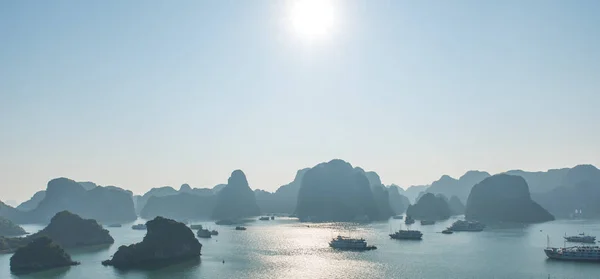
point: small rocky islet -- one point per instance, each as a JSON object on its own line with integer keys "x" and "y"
{"x": 166, "y": 241}
{"x": 38, "y": 255}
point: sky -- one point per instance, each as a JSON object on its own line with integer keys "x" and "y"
{"x": 142, "y": 94}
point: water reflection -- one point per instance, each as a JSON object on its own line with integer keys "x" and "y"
{"x": 53, "y": 273}
{"x": 185, "y": 269}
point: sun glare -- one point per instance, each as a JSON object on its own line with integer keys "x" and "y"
{"x": 312, "y": 19}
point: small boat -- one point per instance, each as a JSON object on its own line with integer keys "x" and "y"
{"x": 398, "y": 217}
{"x": 196, "y": 227}
{"x": 139, "y": 227}
{"x": 467, "y": 226}
{"x": 408, "y": 220}
{"x": 447, "y": 231}
{"x": 581, "y": 238}
{"x": 115, "y": 225}
{"x": 204, "y": 233}
{"x": 272, "y": 217}
{"x": 214, "y": 232}
{"x": 240, "y": 228}
{"x": 347, "y": 243}
{"x": 264, "y": 218}
{"x": 427, "y": 222}
{"x": 225, "y": 222}
{"x": 407, "y": 234}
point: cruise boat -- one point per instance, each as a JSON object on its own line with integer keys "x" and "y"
{"x": 240, "y": 228}
{"x": 407, "y": 234}
{"x": 115, "y": 225}
{"x": 347, "y": 243}
{"x": 581, "y": 238}
{"x": 576, "y": 253}
{"x": 427, "y": 222}
{"x": 264, "y": 218}
{"x": 409, "y": 220}
{"x": 139, "y": 227}
{"x": 204, "y": 233}
{"x": 273, "y": 217}
{"x": 467, "y": 226}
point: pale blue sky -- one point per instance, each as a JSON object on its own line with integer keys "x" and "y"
{"x": 141, "y": 94}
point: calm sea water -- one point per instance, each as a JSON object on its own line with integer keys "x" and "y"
{"x": 287, "y": 249}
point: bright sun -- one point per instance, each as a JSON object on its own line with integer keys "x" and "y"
{"x": 312, "y": 19}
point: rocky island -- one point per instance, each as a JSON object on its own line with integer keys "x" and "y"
{"x": 236, "y": 200}
{"x": 430, "y": 207}
{"x": 40, "y": 254}
{"x": 69, "y": 230}
{"x": 504, "y": 198}
{"x": 335, "y": 191}
{"x": 8, "y": 228}
{"x": 166, "y": 241}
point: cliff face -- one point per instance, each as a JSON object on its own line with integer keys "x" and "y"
{"x": 335, "y": 191}
{"x": 236, "y": 200}
{"x": 32, "y": 203}
{"x": 40, "y": 254}
{"x": 576, "y": 201}
{"x": 398, "y": 202}
{"x": 456, "y": 206}
{"x": 183, "y": 206}
{"x": 504, "y": 198}
{"x": 166, "y": 241}
{"x": 429, "y": 207}
{"x": 69, "y": 230}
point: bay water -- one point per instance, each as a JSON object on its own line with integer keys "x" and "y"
{"x": 286, "y": 248}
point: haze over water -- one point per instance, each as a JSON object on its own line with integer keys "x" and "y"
{"x": 285, "y": 248}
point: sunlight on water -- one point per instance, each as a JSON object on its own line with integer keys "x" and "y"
{"x": 287, "y": 249}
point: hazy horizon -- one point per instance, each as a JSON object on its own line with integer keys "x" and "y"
{"x": 188, "y": 93}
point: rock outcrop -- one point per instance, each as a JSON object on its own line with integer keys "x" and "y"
{"x": 284, "y": 199}
{"x": 456, "y": 206}
{"x": 236, "y": 200}
{"x": 183, "y": 206}
{"x": 166, "y": 241}
{"x": 412, "y": 192}
{"x": 70, "y": 230}
{"x": 154, "y": 192}
{"x": 40, "y": 254}
{"x": 381, "y": 196}
{"x": 335, "y": 191}
{"x": 398, "y": 202}
{"x": 33, "y": 202}
{"x": 461, "y": 187}
{"x": 8, "y": 228}
{"x": 104, "y": 204}
{"x": 504, "y": 198}
{"x": 429, "y": 207}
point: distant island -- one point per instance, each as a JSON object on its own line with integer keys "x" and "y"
{"x": 430, "y": 207}
{"x": 504, "y": 198}
{"x": 236, "y": 200}
{"x": 335, "y": 191}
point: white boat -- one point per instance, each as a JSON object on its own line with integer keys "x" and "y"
{"x": 347, "y": 243}
{"x": 581, "y": 238}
